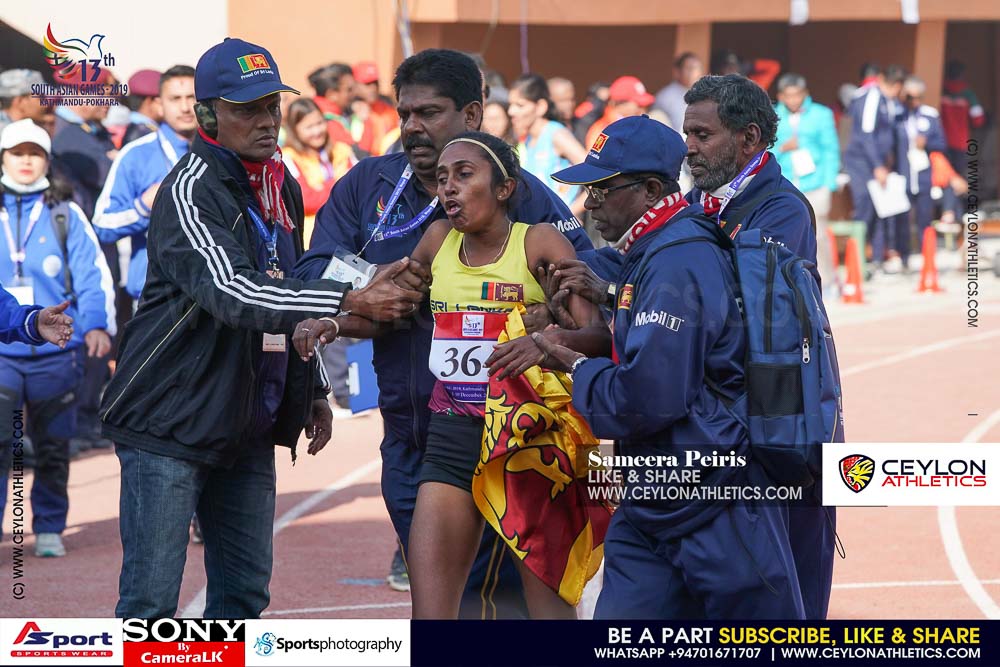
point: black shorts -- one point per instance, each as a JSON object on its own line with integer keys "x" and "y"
{"x": 452, "y": 452}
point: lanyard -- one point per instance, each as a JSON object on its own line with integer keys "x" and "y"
{"x": 270, "y": 239}
{"x": 734, "y": 187}
{"x": 17, "y": 253}
{"x": 168, "y": 149}
{"x": 406, "y": 228}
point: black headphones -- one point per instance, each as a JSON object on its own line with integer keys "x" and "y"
{"x": 209, "y": 122}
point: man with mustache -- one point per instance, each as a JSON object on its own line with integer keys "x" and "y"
{"x": 379, "y": 211}
{"x": 207, "y": 383}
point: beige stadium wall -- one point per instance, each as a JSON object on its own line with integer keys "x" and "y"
{"x": 305, "y": 35}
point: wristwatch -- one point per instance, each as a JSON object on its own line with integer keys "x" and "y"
{"x": 612, "y": 294}
{"x": 576, "y": 364}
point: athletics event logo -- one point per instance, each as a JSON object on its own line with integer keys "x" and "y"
{"x": 856, "y": 471}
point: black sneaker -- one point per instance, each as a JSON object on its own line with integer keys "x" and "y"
{"x": 399, "y": 578}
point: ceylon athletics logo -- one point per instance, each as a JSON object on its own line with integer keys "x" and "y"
{"x": 856, "y": 471}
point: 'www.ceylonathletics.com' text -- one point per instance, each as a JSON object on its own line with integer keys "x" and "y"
{"x": 617, "y": 494}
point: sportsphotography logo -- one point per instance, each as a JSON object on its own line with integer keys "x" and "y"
{"x": 79, "y": 66}
{"x": 187, "y": 641}
{"x": 47, "y": 640}
{"x": 856, "y": 471}
{"x": 264, "y": 646}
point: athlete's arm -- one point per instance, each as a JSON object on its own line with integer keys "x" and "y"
{"x": 545, "y": 245}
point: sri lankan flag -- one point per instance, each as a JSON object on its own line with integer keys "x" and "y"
{"x": 531, "y": 482}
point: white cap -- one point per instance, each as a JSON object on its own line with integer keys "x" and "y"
{"x": 25, "y": 132}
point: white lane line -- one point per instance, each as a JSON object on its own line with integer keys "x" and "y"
{"x": 908, "y": 584}
{"x": 952, "y": 539}
{"x": 347, "y": 607}
{"x": 196, "y": 607}
{"x": 918, "y": 352}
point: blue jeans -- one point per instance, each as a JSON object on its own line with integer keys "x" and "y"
{"x": 235, "y": 506}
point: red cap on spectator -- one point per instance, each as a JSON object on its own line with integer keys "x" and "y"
{"x": 366, "y": 72}
{"x": 145, "y": 83}
{"x": 630, "y": 89}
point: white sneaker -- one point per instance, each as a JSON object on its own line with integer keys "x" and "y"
{"x": 893, "y": 265}
{"x": 49, "y": 545}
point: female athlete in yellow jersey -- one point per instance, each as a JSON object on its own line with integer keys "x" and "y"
{"x": 482, "y": 264}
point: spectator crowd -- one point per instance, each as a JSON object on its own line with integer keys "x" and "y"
{"x": 80, "y": 184}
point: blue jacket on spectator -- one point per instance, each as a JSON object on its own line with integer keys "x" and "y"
{"x": 924, "y": 121}
{"x": 873, "y": 132}
{"x": 119, "y": 211}
{"x": 349, "y": 219}
{"x": 677, "y": 329}
{"x": 94, "y": 306}
{"x": 18, "y": 324}
{"x": 80, "y": 153}
{"x": 816, "y": 133}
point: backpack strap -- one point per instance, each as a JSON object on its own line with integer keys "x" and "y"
{"x": 60, "y": 225}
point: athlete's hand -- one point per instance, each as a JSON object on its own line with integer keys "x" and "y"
{"x": 557, "y": 357}
{"x": 536, "y": 317}
{"x": 416, "y": 276}
{"x": 309, "y": 332}
{"x": 383, "y": 300}
{"x": 319, "y": 428}
{"x": 512, "y": 358}
{"x": 54, "y": 325}
{"x": 98, "y": 342}
{"x": 576, "y": 276}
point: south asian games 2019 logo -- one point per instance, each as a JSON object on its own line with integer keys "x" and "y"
{"x": 80, "y": 70}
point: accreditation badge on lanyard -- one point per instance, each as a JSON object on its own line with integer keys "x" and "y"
{"x": 463, "y": 341}
{"x": 734, "y": 187}
{"x": 21, "y": 288}
{"x": 381, "y": 233}
{"x": 272, "y": 342}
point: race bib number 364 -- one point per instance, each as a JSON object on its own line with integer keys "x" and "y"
{"x": 463, "y": 341}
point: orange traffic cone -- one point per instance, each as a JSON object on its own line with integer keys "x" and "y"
{"x": 852, "y": 287}
{"x": 928, "y": 274}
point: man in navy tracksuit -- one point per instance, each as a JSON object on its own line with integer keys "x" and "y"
{"x": 869, "y": 152}
{"x": 440, "y": 96}
{"x": 730, "y": 123}
{"x": 918, "y": 132}
{"x": 679, "y": 346}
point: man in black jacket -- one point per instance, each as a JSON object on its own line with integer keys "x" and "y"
{"x": 207, "y": 383}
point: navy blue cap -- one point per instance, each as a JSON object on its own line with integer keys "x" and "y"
{"x": 237, "y": 71}
{"x": 632, "y": 145}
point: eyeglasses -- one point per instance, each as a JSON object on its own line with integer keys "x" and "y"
{"x": 600, "y": 194}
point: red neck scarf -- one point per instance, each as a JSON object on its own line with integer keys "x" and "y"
{"x": 713, "y": 203}
{"x": 266, "y": 179}
{"x": 651, "y": 220}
